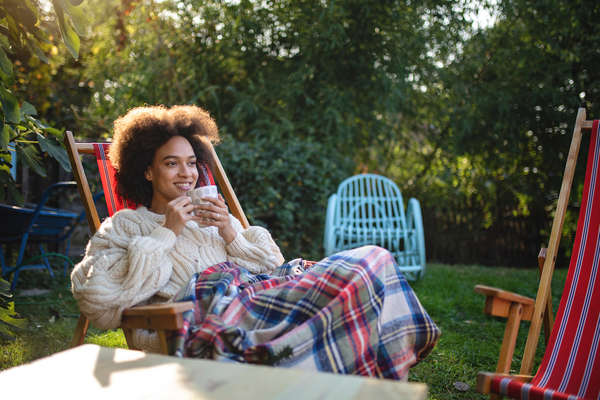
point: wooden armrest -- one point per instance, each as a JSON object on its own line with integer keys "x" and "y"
{"x": 484, "y": 380}
{"x": 498, "y": 302}
{"x": 166, "y": 316}
{"x": 160, "y": 309}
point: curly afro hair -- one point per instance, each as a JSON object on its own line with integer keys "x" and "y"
{"x": 140, "y": 132}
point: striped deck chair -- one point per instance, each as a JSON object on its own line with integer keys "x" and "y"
{"x": 570, "y": 367}
{"x": 161, "y": 317}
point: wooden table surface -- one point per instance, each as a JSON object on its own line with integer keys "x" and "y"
{"x": 91, "y": 371}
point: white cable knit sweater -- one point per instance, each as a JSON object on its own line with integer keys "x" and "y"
{"x": 132, "y": 259}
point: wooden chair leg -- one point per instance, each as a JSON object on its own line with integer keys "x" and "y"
{"x": 548, "y": 314}
{"x": 162, "y": 336}
{"x": 80, "y": 331}
{"x": 128, "y": 332}
{"x": 510, "y": 338}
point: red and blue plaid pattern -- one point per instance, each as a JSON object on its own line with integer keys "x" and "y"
{"x": 570, "y": 368}
{"x": 351, "y": 313}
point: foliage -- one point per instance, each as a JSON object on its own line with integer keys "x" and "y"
{"x": 9, "y": 320}
{"x": 25, "y": 36}
{"x": 339, "y": 75}
{"x": 338, "y": 72}
{"x": 500, "y": 119}
{"x": 284, "y": 186}
{"x": 472, "y": 122}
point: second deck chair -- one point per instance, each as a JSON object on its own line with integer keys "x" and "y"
{"x": 570, "y": 367}
{"x": 161, "y": 317}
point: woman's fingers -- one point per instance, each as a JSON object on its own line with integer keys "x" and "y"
{"x": 211, "y": 216}
{"x": 181, "y": 200}
{"x": 213, "y": 205}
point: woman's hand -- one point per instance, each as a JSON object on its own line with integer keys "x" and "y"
{"x": 178, "y": 212}
{"x": 215, "y": 213}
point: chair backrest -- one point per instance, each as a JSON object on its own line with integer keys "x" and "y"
{"x": 107, "y": 174}
{"x": 571, "y": 362}
{"x": 370, "y": 201}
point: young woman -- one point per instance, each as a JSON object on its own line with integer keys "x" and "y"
{"x": 352, "y": 312}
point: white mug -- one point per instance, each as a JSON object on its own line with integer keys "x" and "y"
{"x": 203, "y": 191}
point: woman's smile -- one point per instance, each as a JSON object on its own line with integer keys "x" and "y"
{"x": 185, "y": 186}
{"x": 173, "y": 172}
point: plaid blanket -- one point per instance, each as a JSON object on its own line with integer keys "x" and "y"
{"x": 351, "y": 313}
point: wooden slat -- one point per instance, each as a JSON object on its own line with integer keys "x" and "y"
{"x": 91, "y": 214}
{"x": 503, "y": 294}
{"x": 82, "y": 183}
{"x": 80, "y": 330}
{"x": 557, "y": 224}
{"x": 232, "y": 201}
{"x": 164, "y": 345}
{"x": 85, "y": 148}
{"x": 498, "y": 307}
{"x": 498, "y": 302}
{"x": 156, "y": 322}
{"x": 548, "y": 314}
{"x": 159, "y": 309}
{"x": 128, "y": 333}
{"x": 510, "y": 338}
{"x": 484, "y": 380}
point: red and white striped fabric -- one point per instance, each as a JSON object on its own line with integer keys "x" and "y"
{"x": 114, "y": 202}
{"x": 570, "y": 368}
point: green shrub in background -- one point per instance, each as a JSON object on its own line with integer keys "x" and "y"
{"x": 283, "y": 185}
{"x": 10, "y": 321}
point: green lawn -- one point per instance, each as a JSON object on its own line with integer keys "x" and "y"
{"x": 469, "y": 343}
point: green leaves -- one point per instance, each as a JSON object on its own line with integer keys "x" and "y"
{"x": 296, "y": 176}
{"x": 10, "y": 106}
{"x": 4, "y": 137}
{"x": 27, "y": 109}
{"x": 66, "y": 16}
{"x": 31, "y": 156}
{"x": 55, "y": 150}
{"x": 5, "y": 64}
{"x": 22, "y": 30}
{"x": 10, "y": 322}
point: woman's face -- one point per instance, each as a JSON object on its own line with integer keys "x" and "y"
{"x": 172, "y": 173}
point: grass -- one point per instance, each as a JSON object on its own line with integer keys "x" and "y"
{"x": 470, "y": 340}
{"x": 469, "y": 343}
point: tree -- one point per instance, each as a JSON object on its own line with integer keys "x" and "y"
{"x": 339, "y": 76}
{"x": 510, "y": 99}
{"x": 25, "y": 36}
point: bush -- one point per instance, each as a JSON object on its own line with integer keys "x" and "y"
{"x": 283, "y": 185}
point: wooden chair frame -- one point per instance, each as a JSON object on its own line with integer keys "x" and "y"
{"x": 515, "y": 307}
{"x": 159, "y": 317}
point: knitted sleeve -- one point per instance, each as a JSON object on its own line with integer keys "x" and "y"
{"x": 254, "y": 249}
{"x": 121, "y": 268}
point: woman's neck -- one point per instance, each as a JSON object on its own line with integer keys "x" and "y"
{"x": 157, "y": 207}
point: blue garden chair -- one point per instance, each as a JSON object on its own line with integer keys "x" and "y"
{"x": 40, "y": 225}
{"x": 368, "y": 209}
